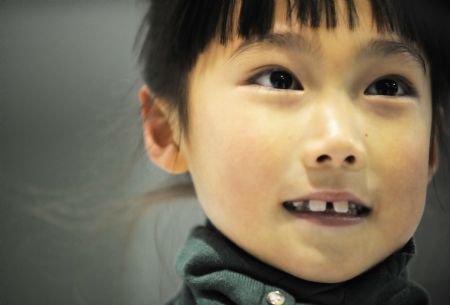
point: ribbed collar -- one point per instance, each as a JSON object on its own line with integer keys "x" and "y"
{"x": 210, "y": 261}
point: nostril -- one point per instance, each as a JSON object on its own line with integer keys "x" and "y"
{"x": 323, "y": 158}
{"x": 350, "y": 159}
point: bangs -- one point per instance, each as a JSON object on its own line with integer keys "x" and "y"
{"x": 256, "y": 17}
{"x": 202, "y": 21}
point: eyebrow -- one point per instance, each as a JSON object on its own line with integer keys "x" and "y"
{"x": 393, "y": 47}
{"x": 279, "y": 40}
{"x": 375, "y": 47}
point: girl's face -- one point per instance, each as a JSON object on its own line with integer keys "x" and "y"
{"x": 305, "y": 111}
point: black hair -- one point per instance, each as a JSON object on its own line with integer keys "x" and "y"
{"x": 175, "y": 32}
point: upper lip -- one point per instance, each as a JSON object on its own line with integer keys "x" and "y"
{"x": 332, "y": 196}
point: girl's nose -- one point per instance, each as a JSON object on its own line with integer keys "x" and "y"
{"x": 335, "y": 142}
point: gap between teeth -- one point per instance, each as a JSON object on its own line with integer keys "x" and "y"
{"x": 342, "y": 207}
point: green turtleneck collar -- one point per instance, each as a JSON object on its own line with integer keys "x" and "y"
{"x": 215, "y": 271}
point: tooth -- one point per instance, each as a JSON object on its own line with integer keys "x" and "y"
{"x": 317, "y": 205}
{"x": 299, "y": 205}
{"x": 341, "y": 206}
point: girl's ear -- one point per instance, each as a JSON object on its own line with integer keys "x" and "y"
{"x": 434, "y": 158}
{"x": 160, "y": 142}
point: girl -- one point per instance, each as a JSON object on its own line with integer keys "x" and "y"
{"x": 310, "y": 130}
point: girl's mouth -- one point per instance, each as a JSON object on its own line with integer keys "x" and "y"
{"x": 328, "y": 212}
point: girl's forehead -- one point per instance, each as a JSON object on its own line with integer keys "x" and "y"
{"x": 288, "y": 29}
{"x": 311, "y": 18}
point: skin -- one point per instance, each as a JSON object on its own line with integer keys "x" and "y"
{"x": 250, "y": 146}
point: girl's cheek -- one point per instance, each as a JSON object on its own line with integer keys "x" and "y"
{"x": 251, "y": 159}
{"x": 234, "y": 147}
{"x": 399, "y": 173}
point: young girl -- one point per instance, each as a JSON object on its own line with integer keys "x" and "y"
{"x": 310, "y": 130}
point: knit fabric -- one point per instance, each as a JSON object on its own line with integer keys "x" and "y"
{"x": 217, "y": 272}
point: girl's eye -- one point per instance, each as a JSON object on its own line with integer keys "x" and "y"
{"x": 390, "y": 86}
{"x": 277, "y": 79}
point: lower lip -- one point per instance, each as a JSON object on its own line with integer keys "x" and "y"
{"x": 329, "y": 220}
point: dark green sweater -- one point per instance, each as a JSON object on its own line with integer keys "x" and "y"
{"x": 216, "y": 272}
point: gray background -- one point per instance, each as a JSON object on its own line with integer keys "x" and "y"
{"x": 73, "y": 229}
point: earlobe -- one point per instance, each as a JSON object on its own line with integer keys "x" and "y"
{"x": 159, "y": 139}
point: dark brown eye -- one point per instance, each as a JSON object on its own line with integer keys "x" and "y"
{"x": 281, "y": 80}
{"x": 277, "y": 79}
{"x": 390, "y": 87}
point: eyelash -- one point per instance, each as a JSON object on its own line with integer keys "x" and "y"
{"x": 397, "y": 82}
{"x": 282, "y": 74}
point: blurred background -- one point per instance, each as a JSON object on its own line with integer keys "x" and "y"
{"x": 74, "y": 228}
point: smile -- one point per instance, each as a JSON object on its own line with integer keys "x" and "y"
{"x": 327, "y": 208}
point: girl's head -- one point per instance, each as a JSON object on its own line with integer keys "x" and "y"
{"x": 269, "y": 102}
